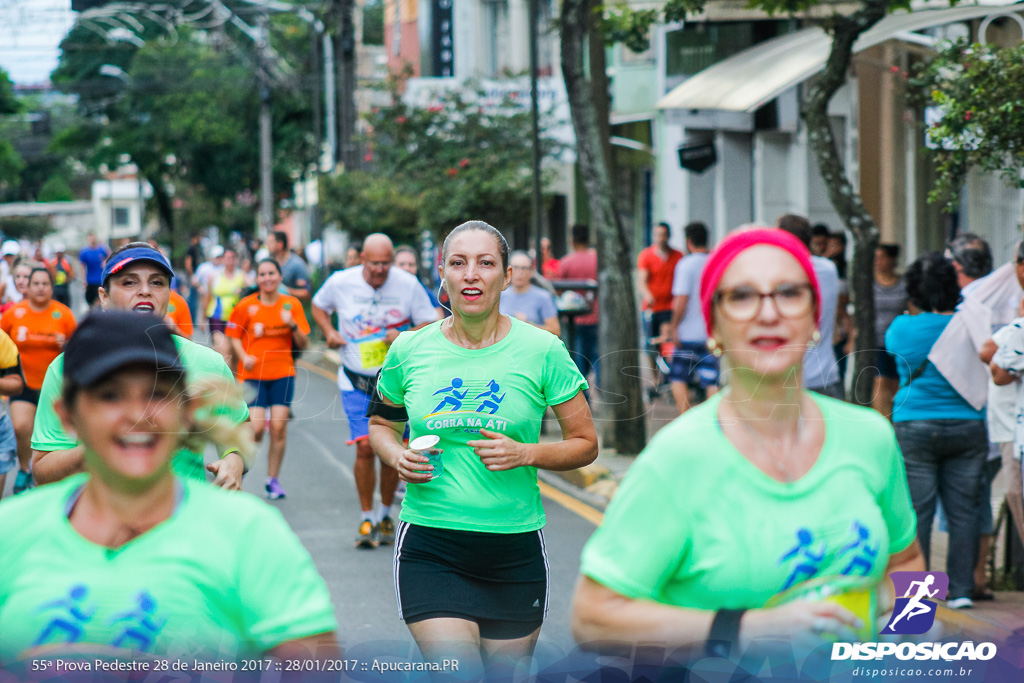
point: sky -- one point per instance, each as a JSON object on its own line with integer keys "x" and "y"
{"x": 30, "y": 31}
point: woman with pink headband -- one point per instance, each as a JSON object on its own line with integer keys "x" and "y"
{"x": 766, "y": 512}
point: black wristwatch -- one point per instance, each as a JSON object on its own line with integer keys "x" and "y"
{"x": 725, "y": 631}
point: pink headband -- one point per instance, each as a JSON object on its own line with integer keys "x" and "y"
{"x": 738, "y": 242}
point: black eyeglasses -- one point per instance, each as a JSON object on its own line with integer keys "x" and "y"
{"x": 742, "y": 304}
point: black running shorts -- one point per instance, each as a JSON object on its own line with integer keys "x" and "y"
{"x": 499, "y": 581}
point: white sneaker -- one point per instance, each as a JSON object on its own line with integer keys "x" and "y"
{"x": 960, "y": 603}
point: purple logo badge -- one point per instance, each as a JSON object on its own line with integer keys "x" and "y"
{"x": 916, "y": 593}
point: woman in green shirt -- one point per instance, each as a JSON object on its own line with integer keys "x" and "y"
{"x": 470, "y": 569}
{"x": 122, "y": 561}
{"x": 764, "y": 493}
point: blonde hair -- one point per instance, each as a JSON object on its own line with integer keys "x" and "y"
{"x": 212, "y": 421}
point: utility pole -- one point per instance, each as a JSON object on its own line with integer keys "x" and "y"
{"x": 266, "y": 143}
{"x": 345, "y": 47}
{"x": 536, "y": 203}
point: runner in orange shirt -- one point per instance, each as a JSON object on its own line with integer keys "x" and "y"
{"x": 39, "y": 327}
{"x": 179, "y": 316}
{"x": 263, "y": 329}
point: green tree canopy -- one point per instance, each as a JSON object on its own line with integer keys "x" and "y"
{"x": 183, "y": 107}
{"x": 976, "y": 93}
{"x": 434, "y": 167}
{"x": 11, "y": 163}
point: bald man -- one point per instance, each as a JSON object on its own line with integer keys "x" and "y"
{"x": 374, "y": 302}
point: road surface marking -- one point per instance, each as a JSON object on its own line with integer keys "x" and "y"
{"x": 588, "y": 513}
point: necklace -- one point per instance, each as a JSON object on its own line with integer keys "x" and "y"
{"x": 780, "y": 460}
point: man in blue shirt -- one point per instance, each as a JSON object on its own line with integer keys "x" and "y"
{"x": 92, "y": 258}
{"x": 293, "y": 269}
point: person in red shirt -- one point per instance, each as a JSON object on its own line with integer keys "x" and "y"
{"x": 179, "y": 316}
{"x": 581, "y": 264}
{"x": 39, "y": 327}
{"x": 264, "y": 328}
{"x": 656, "y": 265}
{"x": 549, "y": 264}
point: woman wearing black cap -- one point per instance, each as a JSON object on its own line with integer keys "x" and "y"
{"x": 121, "y": 560}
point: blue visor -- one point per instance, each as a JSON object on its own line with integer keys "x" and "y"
{"x": 119, "y": 261}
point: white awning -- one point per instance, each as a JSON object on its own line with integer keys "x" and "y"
{"x": 754, "y": 77}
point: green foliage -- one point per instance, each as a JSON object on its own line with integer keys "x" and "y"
{"x": 620, "y": 23}
{"x": 435, "y": 167}
{"x": 373, "y": 23}
{"x": 10, "y": 165}
{"x": 8, "y": 102}
{"x": 31, "y": 228}
{"x": 979, "y": 90}
{"x": 55, "y": 189}
{"x": 186, "y": 111}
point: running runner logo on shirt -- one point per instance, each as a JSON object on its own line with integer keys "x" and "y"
{"x": 136, "y": 628}
{"x": 914, "y": 612}
{"x": 467, "y": 404}
{"x": 808, "y": 555}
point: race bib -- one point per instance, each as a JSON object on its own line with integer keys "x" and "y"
{"x": 62, "y": 277}
{"x": 371, "y": 353}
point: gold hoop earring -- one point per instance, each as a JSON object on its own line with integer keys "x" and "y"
{"x": 714, "y": 348}
{"x": 815, "y": 338}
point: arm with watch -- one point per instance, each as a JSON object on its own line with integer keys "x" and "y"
{"x": 601, "y": 614}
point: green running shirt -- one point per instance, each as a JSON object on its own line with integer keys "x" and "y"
{"x": 223, "y": 578}
{"x": 48, "y": 433}
{"x": 454, "y": 392}
{"x": 695, "y": 524}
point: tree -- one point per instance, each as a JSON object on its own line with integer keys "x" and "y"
{"x": 977, "y": 92}
{"x": 620, "y": 23}
{"x": 11, "y": 163}
{"x": 183, "y": 107}
{"x": 626, "y": 431}
{"x": 434, "y": 167}
{"x": 56, "y": 189}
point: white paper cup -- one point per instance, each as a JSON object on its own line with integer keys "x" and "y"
{"x": 424, "y": 445}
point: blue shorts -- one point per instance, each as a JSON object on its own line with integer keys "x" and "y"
{"x": 271, "y": 392}
{"x": 885, "y": 363}
{"x": 693, "y": 364}
{"x": 355, "y": 404}
{"x": 8, "y": 445}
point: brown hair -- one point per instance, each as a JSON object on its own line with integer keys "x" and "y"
{"x": 482, "y": 227}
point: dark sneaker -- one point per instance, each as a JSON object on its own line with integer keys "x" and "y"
{"x": 274, "y": 489}
{"x": 386, "y": 532}
{"x": 23, "y": 482}
{"x": 367, "y": 536}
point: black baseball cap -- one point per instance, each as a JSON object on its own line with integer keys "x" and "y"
{"x": 110, "y": 340}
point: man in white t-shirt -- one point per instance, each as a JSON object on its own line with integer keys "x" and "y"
{"x": 9, "y": 251}
{"x": 374, "y": 302}
{"x": 693, "y": 364}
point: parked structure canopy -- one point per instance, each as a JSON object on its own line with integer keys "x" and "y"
{"x": 754, "y": 77}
